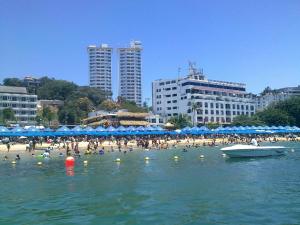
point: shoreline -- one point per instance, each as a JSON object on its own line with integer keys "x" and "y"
{"x": 132, "y": 144}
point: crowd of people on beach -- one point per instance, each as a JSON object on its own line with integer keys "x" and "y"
{"x": 87, "y": 145}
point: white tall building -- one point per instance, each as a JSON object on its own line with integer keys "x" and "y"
{"x": 130, "y": 72}
{"x": 203, "y": 100}
{"x": 100, "y": 67}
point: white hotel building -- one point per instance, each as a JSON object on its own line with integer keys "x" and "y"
{"x": 100, "y": 67}
{"x": 203, "y": 100}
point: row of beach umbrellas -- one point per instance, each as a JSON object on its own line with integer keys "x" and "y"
{"x": 151, "y": 130}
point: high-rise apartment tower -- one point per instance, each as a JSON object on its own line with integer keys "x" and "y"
{"x": 100, "y": 67}
{"x": 130, "y": 72}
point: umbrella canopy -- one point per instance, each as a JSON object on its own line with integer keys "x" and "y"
{"x": 121, "y": 128}
{"x": 186, "y": 129}
{"x": 158, "y": 128}
{"x": 111, "y": 129}
{"x": 100, "y": 129}
{"x": 149, "y": 128}
{"x": 89, "y": 129}
{"x": 32, "y": 129}
{"x": 63, "y": 129}
{"x": 77, "y": 129}
{"x": 131, "y": 128}
{"x": 203, "y": 128}
{"x": 3, "y": 129}
{"x": 48, "y": 129}
{"x": 17, "y": 130}
{"x": 140, "y": 128}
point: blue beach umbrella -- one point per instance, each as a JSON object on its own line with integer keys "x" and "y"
{"x": 32, "y": 129}
{"x": 100, "y": 129}
{"x": 3, "y": 129}
{"x": 111, "y": 129}
{"x": 63, "y": 129}
{"x": 48, "y": 129}
{"x": 121, "y": 129}
{"x": 131, "y": 128}
{"x": 17, "y": 130}
{"x": 77, "y": 129}
{"x": 88, "y": 129}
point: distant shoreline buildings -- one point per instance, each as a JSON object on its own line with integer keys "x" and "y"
{"x": 130, "y": 70}
{"x": 270, "y": 97}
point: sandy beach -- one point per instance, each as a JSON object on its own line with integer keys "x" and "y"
{"x": 17, "y": 148}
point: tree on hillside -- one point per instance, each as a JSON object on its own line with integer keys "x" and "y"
{"x": 56, "y": 89}
{"x": 109, "y": 105}
{"x": 16, "y": 82}
{"x": 95, "y": 95}
{"x": 275, "y": 117}
{"x": 291, "y": 107}
{"x": 67, "y": 115}
{"x": 180, "y": 121}
{"x": 132, "y": 107}
{"x": 84, "y": 105}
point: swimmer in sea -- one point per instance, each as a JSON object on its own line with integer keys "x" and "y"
{"x": 17, "y": 157}
{"x": 5, "y": 158}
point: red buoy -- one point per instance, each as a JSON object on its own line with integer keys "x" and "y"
{"x": 70, "y": 161}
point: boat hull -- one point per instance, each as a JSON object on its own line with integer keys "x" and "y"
{"x": 253, "y": 151}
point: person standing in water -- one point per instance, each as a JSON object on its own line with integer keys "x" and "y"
{"x": 8, "y": 146}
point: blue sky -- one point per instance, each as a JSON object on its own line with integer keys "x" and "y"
{"x": 256, "y": 42}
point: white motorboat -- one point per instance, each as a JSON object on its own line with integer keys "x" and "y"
{"x": 253, "y": 151}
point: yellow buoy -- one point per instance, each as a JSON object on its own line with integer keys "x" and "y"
{"x": 176, "y": 157}
{"x": 40, "y": 163}
{"x": 117, "y": 160}
{"x": 201, "y": 156}
{"x": 147, "y": 158}
{"x": 85, "y": 162}
{"x": 13, "y": 162}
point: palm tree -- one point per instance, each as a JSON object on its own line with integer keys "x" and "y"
{"x": 194, "y": 108}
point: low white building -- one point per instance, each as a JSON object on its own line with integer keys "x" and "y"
{"x": 203, "y": 100}
{"x": 155, "y": 120}
{"x": 23, "y": 104}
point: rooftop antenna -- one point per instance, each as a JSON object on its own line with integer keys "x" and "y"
{"x": 192, "y": 68}
{"x": 178, "y": 71}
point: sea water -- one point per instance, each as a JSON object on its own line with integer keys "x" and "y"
{"x": 161, "y": 190}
